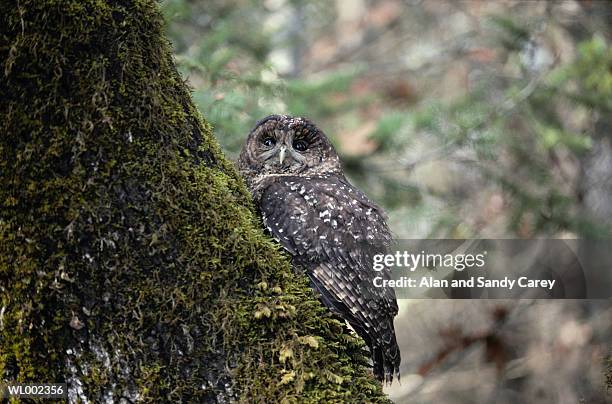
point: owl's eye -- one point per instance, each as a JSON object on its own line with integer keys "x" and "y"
{"x": 300, "y": 145}
{"x": 268, "y": 141}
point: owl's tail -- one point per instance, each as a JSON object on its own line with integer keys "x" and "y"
{"x": 385, "y": 352}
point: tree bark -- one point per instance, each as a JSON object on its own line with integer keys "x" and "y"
{"x": 131, "y": 262}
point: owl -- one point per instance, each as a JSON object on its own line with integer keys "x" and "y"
{"x": 330, "y": 228}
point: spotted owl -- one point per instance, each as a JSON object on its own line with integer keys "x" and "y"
{"x": 330, "y": 228}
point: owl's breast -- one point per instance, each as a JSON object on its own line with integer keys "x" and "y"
{"x": 311, "y": 215}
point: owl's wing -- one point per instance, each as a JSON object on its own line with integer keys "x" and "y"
{"x": 333, "y": 230}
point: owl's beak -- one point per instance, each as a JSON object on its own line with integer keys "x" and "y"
{"x": 281, "y": 155}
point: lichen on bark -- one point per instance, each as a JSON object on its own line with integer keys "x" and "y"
{"x": 131, "y": 262}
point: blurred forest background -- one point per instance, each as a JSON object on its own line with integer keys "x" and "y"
{"x": 472, "y": 119}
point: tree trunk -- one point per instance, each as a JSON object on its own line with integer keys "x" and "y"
{"x": 131, "y": 263}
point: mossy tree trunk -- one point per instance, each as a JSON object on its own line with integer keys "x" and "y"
{"x": 131, "y": 263}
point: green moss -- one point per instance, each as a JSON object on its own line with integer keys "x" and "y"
{"x": 130, "y": 256}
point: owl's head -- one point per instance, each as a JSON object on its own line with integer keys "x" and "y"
{"x": 281, "y": 144}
